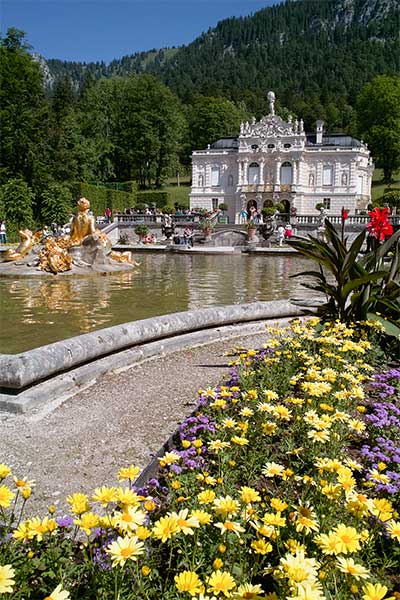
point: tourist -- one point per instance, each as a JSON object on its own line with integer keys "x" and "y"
{"x": 243, "y": 215}
{"x": 280, "y": 234}
{"x": 188, "y": 237}
{"x": 288, "y": 231}
{"x": 3, "y": 232}
{"x": 107, "y": 214}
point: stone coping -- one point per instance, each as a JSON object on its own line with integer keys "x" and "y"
{"x": 19, "y": 371}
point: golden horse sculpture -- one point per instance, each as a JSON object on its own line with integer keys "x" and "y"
{"x": 54, "y": 256}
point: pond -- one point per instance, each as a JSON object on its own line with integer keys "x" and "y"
{"x": 37, "y": 311}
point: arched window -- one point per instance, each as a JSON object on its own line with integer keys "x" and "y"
{"x": 230, "y": 180}
{"x": 286, "y": 173}
{"x": 214, "y": 176}
{"x": 254, "y": 173}
{"x": 201, "y": 180}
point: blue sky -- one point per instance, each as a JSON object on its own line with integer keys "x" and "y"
{"x": 95, "y": 30}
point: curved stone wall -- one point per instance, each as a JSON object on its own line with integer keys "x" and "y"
{"x": 22, "y": 370}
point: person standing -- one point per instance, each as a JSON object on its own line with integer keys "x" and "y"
{"x": 280, "y": 234}
{"x": 3, "y": 232}
{"x": 107, "y": 214}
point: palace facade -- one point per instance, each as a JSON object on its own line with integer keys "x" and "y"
{"x": 273, "y": 161}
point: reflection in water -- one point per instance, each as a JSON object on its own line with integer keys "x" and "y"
{"x": 39, "y": 311}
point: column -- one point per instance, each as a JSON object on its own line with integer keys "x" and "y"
{"x": 246, "y": 172}
{"x": 278, "y": 172}
{"x": 294, "y": 172}
{"x": 262, "y": 178}
{"x": 195, "y": 175}
{"x": 207, "y": 178}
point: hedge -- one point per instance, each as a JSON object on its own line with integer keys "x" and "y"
{"x": 100, "y": 198}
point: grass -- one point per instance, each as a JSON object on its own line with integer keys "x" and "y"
{"x": 379, "y": 187}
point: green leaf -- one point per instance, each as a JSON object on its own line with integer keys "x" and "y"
{"x": 389, "y": 327}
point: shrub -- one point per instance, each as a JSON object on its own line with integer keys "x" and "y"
{"x": 141, "y": 230}
{"x": 56, "y": 206}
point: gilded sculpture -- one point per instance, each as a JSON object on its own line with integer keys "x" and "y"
{"x": 85, "y": 247}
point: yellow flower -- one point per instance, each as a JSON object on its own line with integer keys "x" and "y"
{"x": 272, "y": 469}
{"x": 169, "y": 458}
{"x": 375, "y": 592}
{"x": 125, "y": 548}
{"x": 165, "y": 528}
{"x": 4, "y": 471}
{"x": 142, "y": 533}
{"x": 381, "y": 508}
{"x": 393, "y": 528}
{"x": 202, "y": 516}
{"x": 24, "y": 484}
{"x": 146, "y": 570}
{"x": 105, "y": 495}
{"x": 129, "y": 519}
{"x": 37, "y": 527}
{"x": 226, "y": 506}
{"x": 348, "y": 566}
{"x": 230, "y": 527}
{"x": 221, "y": 582}
{"x": 217, "y": 564}
{"x": 79, "y": 503}
{"x": 261, "y": 547}
{"x": 188, "y": 581}
{"x": 249, "y": 495}
{"x": 239, "y": 441}
{"x": 21, "y": 533}
{"x": 6, "y": 495}
{"x": 269, "y": 427}
{"x": 349, "y": 539}
{"x": 7, "y": 575}
{"x": 58, "y": 594}
{"x": 130, "y": 472}
{"x": 318, "y": 436}
{"x": 329, "y": 543}
{"x": 217, "y": 445}
{"x": 248, "y": 591}
{"x": 127, "y": 497}
{"x": 184, "y": 523}
{"x": 206, "y": 497}
{"x": 298, "y": 568}
{"x": 87, "y": 522}
{"x": 278, "y": 504}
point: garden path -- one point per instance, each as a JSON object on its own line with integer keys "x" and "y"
{"x": 80, "y": 444}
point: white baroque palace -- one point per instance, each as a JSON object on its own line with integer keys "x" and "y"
{"x": 274, "y": 161}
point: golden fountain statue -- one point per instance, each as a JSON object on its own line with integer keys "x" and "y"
{"x": 85, "y": 247}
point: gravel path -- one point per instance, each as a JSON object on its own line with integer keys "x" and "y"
{"x": 81, "y": 443}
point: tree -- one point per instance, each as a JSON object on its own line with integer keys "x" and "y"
{"x": 56, "y": 204}
{"x": 210, "y": 118}
{"x": 137, "y": 123}
{"x": 17, "y": 200}
{"x": 23, "y": 111}
{"x": 378, "y": 116}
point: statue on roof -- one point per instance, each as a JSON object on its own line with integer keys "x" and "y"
{"x": 271, "y": 100}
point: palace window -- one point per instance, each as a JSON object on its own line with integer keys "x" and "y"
{"x": 286, "y": 173}
{"x": 270, "y": 146}
{"x": 254, "y": 173}
{"x": 214, "y": 176}
{"x": 327, "y": 175}
{"x": 287, "y": 145}
{"x": 327, "y": 203}
{"x": 230, "y": 180}
{"x": 254, "y": 147}
{"x": 214, "y": 203}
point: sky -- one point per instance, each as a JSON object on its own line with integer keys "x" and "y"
{"x": 101, "y": 30}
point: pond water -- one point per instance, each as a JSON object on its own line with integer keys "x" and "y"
{"x": 38, "y": 311}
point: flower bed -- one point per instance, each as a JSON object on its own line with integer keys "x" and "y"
{"x": 283, "y": 485}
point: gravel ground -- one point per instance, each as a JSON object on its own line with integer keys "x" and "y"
{"x": 123, "y": 418}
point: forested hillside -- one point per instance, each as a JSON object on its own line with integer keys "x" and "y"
{"x": 316, "y": 56}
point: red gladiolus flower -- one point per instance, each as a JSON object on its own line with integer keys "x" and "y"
{"x": 345, "y": 213}
{"x": 379, "y": 225}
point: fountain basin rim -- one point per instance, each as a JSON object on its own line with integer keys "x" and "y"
{"x": 17, "y": 371}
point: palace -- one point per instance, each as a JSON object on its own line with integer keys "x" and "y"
{"x": 273, "y": 161}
